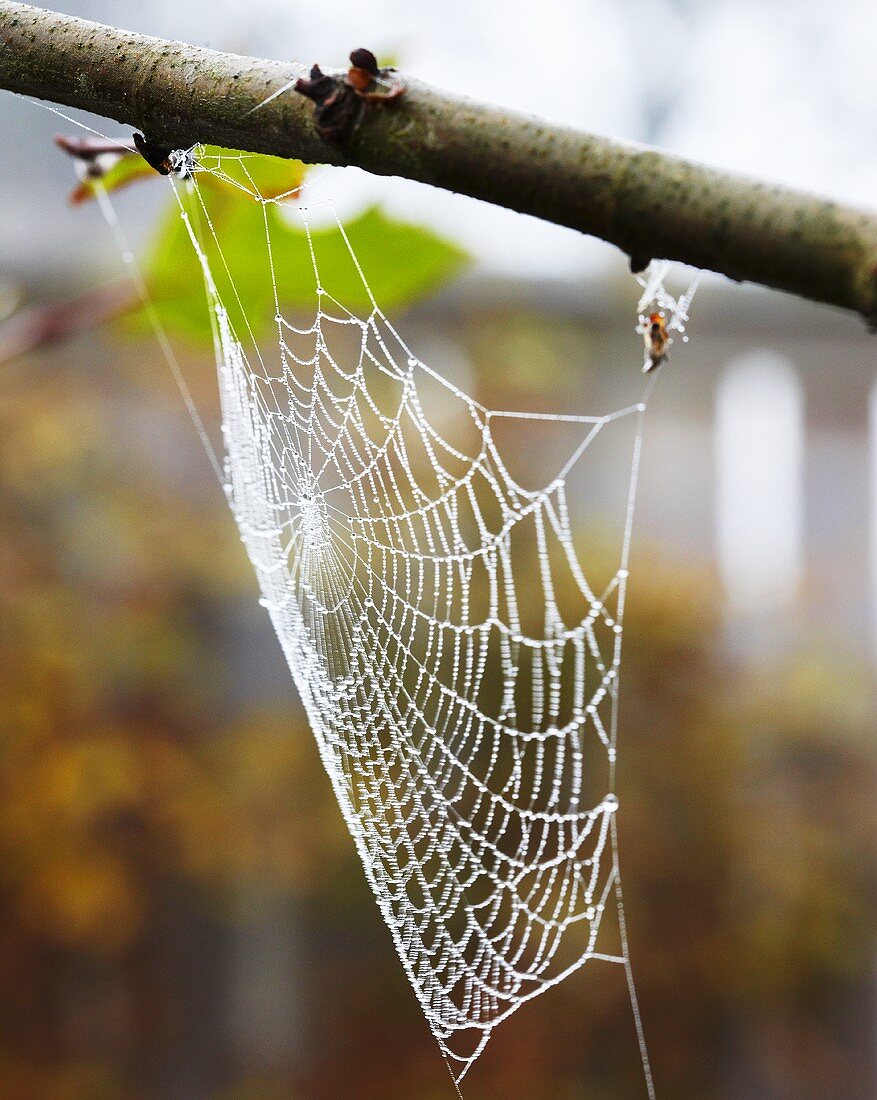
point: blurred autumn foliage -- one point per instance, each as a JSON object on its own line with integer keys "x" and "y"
{"x": 181, "y": 910}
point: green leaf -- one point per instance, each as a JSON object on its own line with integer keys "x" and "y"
{"x": 256, "y": 173}
{"x": 401, "y": 262}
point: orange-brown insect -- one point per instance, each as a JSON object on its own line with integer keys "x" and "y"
{"x": 657, "y": 341}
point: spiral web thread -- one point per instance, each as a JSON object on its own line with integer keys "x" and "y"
{"x": 471, "y": 742}
{"x": 468, "y": 727}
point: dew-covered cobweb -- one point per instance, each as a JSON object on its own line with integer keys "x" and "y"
{"x": 457, "y": 661}
{"x": 456, "y": 649}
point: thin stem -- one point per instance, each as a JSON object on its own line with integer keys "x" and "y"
{"x": 87, "y": 148}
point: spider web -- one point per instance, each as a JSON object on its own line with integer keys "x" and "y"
{"x": 390, "y": 561}
{"x": 458, "y": 666}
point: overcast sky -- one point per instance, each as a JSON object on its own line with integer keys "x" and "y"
{"x": 779, "y": 88}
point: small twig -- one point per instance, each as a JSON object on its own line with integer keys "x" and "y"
{"x": 47, "y": 323}
{"x": 93, "y": 153}
{"x": 156, "y": 154}
{"x": 89, "y": 148}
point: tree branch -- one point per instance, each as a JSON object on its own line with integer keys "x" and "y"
{"x": 648, "y": 203}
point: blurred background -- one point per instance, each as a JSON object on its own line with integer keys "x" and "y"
{"x": 182, "y": 913}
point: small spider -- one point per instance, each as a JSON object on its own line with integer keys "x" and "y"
{"x": 657, "y": 341}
